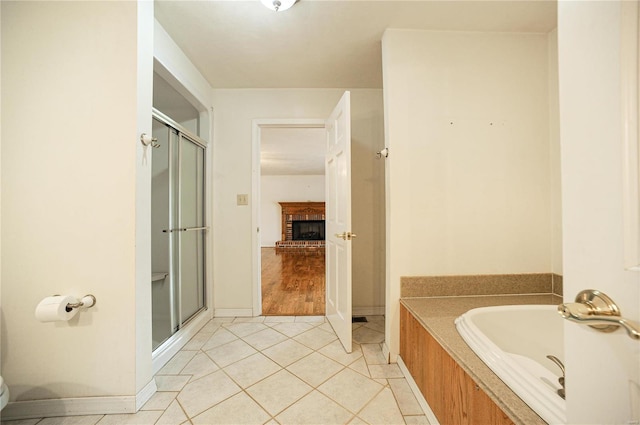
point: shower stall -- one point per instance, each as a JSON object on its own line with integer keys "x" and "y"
{"x": 178, "y": 227}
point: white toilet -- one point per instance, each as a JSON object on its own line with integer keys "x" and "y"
{"x": 4, "y": 394}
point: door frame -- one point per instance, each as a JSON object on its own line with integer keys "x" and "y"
{"x": 257, "y": 126}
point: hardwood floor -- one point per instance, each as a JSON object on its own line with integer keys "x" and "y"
{"x": 292, "y": 283}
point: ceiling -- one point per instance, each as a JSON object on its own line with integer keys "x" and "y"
{"x": 323, "y": 43}
{"x": 292, "y": 151}
{"x": 320, "y": 44}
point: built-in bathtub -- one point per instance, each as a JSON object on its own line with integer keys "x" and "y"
{"x": 514, "y": 341}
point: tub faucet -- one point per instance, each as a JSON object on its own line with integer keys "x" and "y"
{"x": 557, "y": 361}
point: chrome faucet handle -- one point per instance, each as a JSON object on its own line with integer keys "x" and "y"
{"x": 561, "y": 391}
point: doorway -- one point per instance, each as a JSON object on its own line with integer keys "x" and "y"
{"x": 289, "y": 170}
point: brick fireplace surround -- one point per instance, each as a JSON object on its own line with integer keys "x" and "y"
{"x": 299, "y": 211}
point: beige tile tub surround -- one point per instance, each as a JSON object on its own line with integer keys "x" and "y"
{"x": 470, "y": 285}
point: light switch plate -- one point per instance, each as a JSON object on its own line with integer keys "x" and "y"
{"x": 243, "y": 199}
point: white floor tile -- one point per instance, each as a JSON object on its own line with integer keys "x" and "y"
{"x": 365, "y": 335}
{"x": 310, "y": 319}
{"x": 416, "y": 420}
{"x": 251, "y": 370}
{"x": 405, "y": 398}
{"x": 264, "y": 339}
{"x": 239, "y": 409}
{"x": 326, "y": 326}
{"x": 244, "y": 328}
{"x": 210, "y": 327}
{"x": 336, "y": 351}
{"x": 376, "y": 326}
{"x": 385, "y": 371}
{"x": 292, "y": 329}
{"x": 279, "y": 319}
{"x": 177, "y": 363}
{"x": 174, "y": 415}
{"x": 141, "y": 418}
{"x": 360, "y": 366}
{"x": 287, "y": 352}
{"x": 257, "y": 319}
{"x": 200, "y": 395}
{"x": 201, "y": 365}
{"x": 197, "y": 341}
{"x": 220, "y": 337}
{"x": 315, "y": 338}
{"x": 373, "y": 353}
{"x": 21, "y": 422}
{"x": 278, "y": 391}
{"x": 315, "y": 368}
{"x": 350, "y": 389}
{"x": 382, "y": 410}
{"x": 160, "y": 400}
{"x": 314, "y": 408}
{"x": 229, "y": 353}
{"x": 171, "y": 382}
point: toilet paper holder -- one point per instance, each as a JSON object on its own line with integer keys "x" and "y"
{"x": 87, "y": 301}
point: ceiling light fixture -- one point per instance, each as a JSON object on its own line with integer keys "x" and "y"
{"x": 278, "y": 5}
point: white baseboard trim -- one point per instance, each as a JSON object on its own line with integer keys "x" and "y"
{"x": 79, "y": 406}
{"x": 69, "y": 407}
{"x": 146, "y": 393}
{"x": 431, "y": 417}
{"x": 386, "y": 352}
{"x": 170, "y": 348}
{"x": 233, "y": 312}
{"x": 367, "y": 311}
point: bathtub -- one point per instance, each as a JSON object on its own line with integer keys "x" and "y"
{"x": 514, "y": 341}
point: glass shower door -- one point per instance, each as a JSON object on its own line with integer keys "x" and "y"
{"x": 178, "y": 229}
{"x": 192, "y": 228}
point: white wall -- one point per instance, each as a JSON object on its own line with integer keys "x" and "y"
{"x": 274, "y": 189}
{"x": 469, "y": 185}
{"x": 70, "y": 210}
{"x": 603, "y": 371}
{"x": 234, "y": 112}
{"x": 554, "y": 155}
{"x": 175, "y": 68}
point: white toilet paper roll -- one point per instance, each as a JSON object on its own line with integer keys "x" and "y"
{"x": 53, "y": 309}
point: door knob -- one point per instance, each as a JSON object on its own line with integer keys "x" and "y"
{"x": 347, "y": 236}
{"x": 597, "y": 310}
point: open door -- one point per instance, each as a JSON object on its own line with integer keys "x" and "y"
{"x": 338, "y": 220}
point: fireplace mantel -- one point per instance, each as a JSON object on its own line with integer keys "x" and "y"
{"x": 299, "y": 211}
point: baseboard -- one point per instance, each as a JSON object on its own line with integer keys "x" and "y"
{"x": 431, "y": 417}
{"x": 69, "y": 407}
{"x": 387, "y": 353}
{"x": 146, "y": 393}
{"x": 170, "y": 348}
{"x": 233, "y": 312}
{"x": 78, "y": 406}
{"x": 367, "y": 311}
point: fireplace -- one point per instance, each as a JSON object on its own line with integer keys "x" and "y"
{"x": 308, "y": 230}
{"x": 302, "y": 227}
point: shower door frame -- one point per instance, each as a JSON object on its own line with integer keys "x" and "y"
{"x": 175, "y": 180}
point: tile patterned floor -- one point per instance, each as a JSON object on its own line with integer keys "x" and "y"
{"x": 273, "y": 370}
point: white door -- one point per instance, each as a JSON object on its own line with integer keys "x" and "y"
{"x": 338, "y": 220}
{"x": 602, "y": 369}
